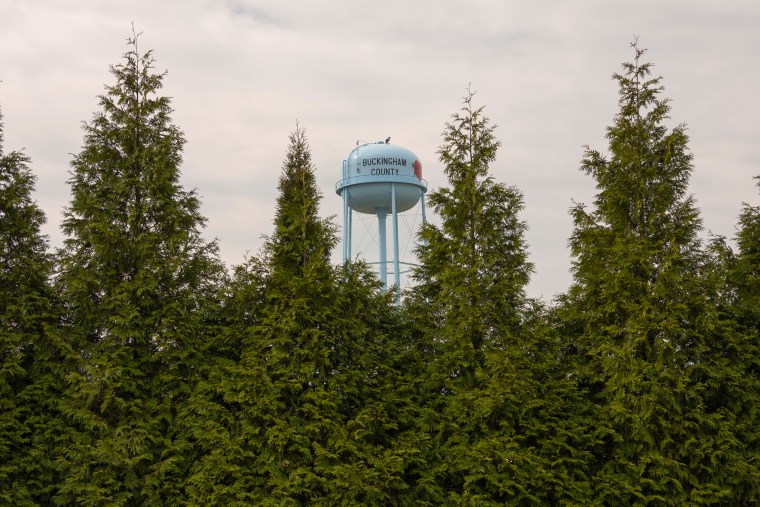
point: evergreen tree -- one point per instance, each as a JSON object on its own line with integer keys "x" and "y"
{"x": 138, "y": 280}
{"x": 748, "y": 266}
{"x": 297, "y": 408}
{"x": 223, "y": 440}
{"x": 309, "y": 400}
{"x": 26, "y": 307}
{"x": 641, "y": 312}
{"x": 482, "y": 333}
{"x": 737, "y": 394}
{"x": 473, "y": 267}
{"x": 293, "y": 345}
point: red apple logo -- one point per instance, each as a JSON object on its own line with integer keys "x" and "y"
{"x": 417, "y": 169}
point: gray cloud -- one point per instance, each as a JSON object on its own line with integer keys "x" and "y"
{"x": 242, "y": 72}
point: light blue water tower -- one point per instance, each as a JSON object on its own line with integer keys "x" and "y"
{"x": 381, "y": 179}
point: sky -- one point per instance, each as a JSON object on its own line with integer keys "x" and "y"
{"x": 243, "y": 73}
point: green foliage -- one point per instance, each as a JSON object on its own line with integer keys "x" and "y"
{"x": 138, "y": 280}
{"x": 297, "y": 408}
{"x": 748, "y": 268}
{"x": 473, "y": 267}
{"x": 295, "y": 343}
{"x": 302, "y": 242}
{"x": 489, "y": 357}
{"x": 28, "y": 359}
{"x": 642, "y": 313}
{"x": 144, "y": 374}
{"x": 738, "y": 393}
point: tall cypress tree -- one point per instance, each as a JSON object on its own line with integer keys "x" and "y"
{"x": 328, "y": 407}
{"x": 218, "y": 419}
{"x": 748, "y": 265}
{"x": 280, "y": 394}
{"x": 26, "y": 309}
{"x": 137, "y": 278}
{"x": 640, "y": 311}
{"x": 482, "y": 332}
{"x": 473, "y": 267}
{"x": 738, "y": 394}
{"x": 307, "y": 401}
{"x": 293, "y": 344}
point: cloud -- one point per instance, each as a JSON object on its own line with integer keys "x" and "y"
{"x": 242, "y": 72}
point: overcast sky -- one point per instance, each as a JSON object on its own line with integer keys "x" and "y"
{"x": 242, "y": 72}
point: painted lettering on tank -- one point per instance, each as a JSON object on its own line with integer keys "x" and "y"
{"x": 384, "y": 161}
{"x": 384, "y": 171}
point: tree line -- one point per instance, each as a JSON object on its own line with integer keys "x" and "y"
{"x": 138, "y": 370}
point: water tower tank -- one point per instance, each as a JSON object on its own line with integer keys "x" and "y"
{"x": 372, "y": 170}
{"x": 380, "y": 179}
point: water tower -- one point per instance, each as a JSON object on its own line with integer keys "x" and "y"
{"x": 380, "y": 179}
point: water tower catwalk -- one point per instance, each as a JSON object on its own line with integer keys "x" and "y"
{"x": 380, "y": 179}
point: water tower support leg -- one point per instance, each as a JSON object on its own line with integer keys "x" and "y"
{"x": 381, "y": 214}
{"x": 346, "y": 229}
{"x": 396, "y": 263}
{"x": 350, "y": 230}
{"x": 422, "y": 205}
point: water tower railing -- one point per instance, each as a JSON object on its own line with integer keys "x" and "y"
{"x": 365, "y": 178}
